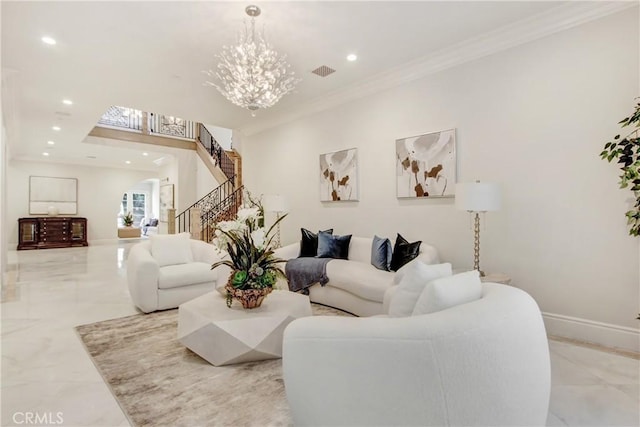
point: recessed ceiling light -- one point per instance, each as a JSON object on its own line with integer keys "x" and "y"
{"x": 56, "y": 128}
{"x": 128, "y": 162}
{"x": 51, "y": 142}
{"x": 145, "y": 154}
{"x": 67, "y": 102}
{"x": 48, "y": 40}
{"x": 352, "y": 57}
{"x": 45, "y": 154}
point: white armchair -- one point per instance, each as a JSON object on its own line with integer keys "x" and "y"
{"x": 149, "y": 226}
{"x": 481, "y": 363}
{"x": 178, "y": 270}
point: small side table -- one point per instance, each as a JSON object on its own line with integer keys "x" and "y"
{"x": 496, "y": 278}
{"x": 128, "y": 232}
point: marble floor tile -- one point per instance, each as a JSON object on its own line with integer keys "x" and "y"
{"x": 553, "y": 421}
{"x": 612, "y": 368}
{"x": 566, "y": 372}
{"x": 632, "y": 390}
{"x": 79, "y": 403}
{"x": 45, "y": 367}
{"x": 594, "y": 405}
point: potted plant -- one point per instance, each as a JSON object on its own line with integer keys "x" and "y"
{"x": 128, "y": 219}
{"x": 627, "y": 153}
{"x": 254, "y": 267}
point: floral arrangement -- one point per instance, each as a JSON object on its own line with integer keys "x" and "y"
{"x": 252, "y": 260}
{"x": 128, "y": 219}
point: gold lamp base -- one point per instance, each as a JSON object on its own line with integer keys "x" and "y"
{"x": 476, "y": 245}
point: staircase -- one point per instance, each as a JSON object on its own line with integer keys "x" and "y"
{"x": 128, "y": 124}
{"x": 224, "y": 201}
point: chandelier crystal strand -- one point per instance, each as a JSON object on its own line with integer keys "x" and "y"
{"x": 252, "y": 74}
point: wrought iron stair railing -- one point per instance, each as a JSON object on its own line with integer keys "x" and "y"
{"x": 220, "y": 157}
{"x": 220, "y": 204}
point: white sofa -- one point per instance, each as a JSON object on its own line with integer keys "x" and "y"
{"x": 355, "y": 285}
{"x": 483, "y": 363}
{"x": 156, "y": 285}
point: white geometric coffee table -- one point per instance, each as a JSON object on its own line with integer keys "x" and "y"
{"x": 223, "y": 336}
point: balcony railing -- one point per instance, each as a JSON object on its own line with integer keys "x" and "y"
{"x": 122, "y": 117}
{"x": 171, "y": 126}
{"x": 139, "y": 121}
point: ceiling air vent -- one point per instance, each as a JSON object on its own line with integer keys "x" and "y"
{"x": 323, "y": 71}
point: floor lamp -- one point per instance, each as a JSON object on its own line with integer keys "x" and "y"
{"x": 278, "y": 204}
{"x": 475, "y": 198}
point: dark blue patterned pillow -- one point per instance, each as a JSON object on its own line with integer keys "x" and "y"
{"x": 330, "y": 246}
{"x": 381, "y": 252}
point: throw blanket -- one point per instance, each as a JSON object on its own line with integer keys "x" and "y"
{"x": 304, "y": 272}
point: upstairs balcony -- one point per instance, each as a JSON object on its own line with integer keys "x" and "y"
{"x": 145, "y": 123}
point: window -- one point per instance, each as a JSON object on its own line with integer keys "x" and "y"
{"x": 136, "y": 203}
{"x": 139, "y": 209}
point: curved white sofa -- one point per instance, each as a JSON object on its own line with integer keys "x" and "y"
{"x": 484, "y": 363}
{"x": 355, "y": 285}
{"x": 154, "y": 287}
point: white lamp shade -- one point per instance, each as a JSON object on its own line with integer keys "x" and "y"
{"x": 478, "y": 196}
{"x": 275, "y": 203}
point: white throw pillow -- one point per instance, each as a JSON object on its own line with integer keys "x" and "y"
{"x": 448, "y": 292}
{"x": 415, "y": 277}
{"x": 171, "y": 249}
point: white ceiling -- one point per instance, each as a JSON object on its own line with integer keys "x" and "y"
{"x": 150, "y": 56}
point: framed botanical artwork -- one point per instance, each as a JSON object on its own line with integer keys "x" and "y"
{"x": 339, "y": 176}
{"x": 426, "y": 165}
{"x": 166, "y": 201}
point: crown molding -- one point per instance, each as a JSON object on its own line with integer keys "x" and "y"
{"x": 560, "y": 18}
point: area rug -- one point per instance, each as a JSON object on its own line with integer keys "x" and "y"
{"x": 159, "y": 382}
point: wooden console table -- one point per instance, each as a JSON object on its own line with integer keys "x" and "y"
{"x": 51, "y": 232}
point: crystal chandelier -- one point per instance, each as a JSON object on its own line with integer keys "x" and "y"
{"x": 252, "y": 75}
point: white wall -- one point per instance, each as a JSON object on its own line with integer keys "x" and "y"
{"x": 222, "y": 136}
{"x": 205, "y": 181}
{"x": 181, "y": 172}
{"x": 533, "y": 118}
{"x": 155, "y": 198}
{"x": 3, "y": 198}
{"x": 99, "y": 194}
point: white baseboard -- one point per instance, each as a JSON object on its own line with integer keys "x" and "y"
{"x": 605, "y": 334}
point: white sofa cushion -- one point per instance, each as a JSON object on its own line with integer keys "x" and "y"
{"x": 171, "y": 249}
{"x": 359, "y": 278}
{"x": 447, "y": 292}
{"x": 178, "y": 275}
{"x": 416, "y": 275}
{"x": 360, "y": 249}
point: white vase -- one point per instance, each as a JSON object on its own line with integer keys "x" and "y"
{"x": 53, "y": 211}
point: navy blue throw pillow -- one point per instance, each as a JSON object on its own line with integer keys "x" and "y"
{"x": 330, "y": 246}
{"x": 381, "y": 253}
{"x": 309, "y": 243}
{"x": 403, "y": 252}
